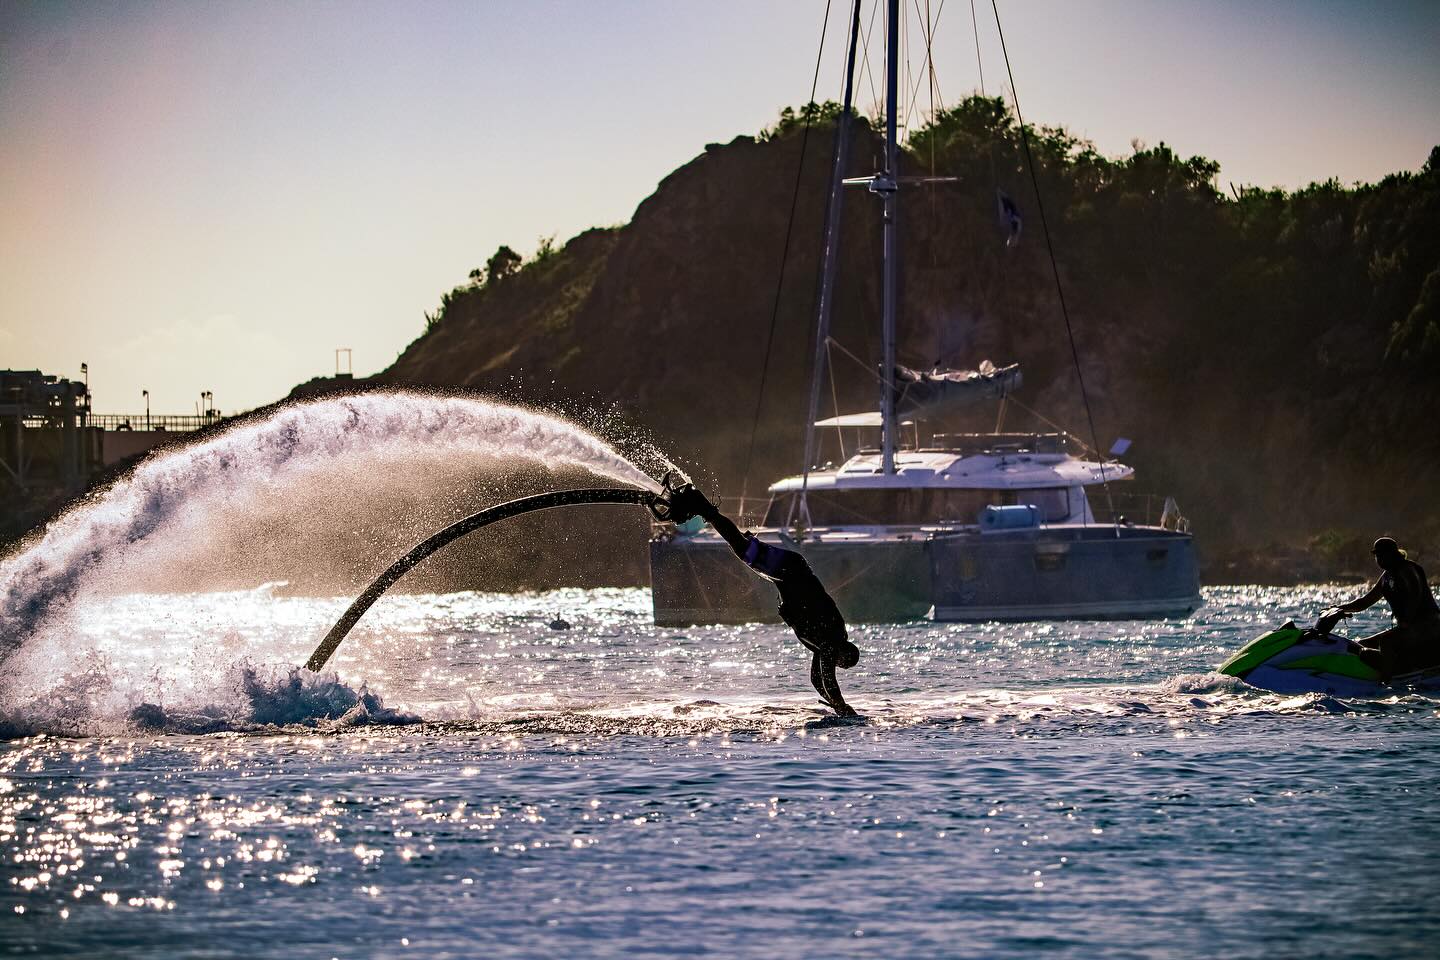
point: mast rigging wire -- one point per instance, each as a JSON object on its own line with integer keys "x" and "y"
{"x": 868, "y": 368}
{"x": 980, "y": 67}
{"x": 865, "y": 71}
{"x": 1004, "y": 283}
{"x": 784, "y": 259}
{"x": 828, "y": 262}
{"x": 928, "y": 67}
{"x": 1054, "y": 268}
{"x": 834, "y": 398}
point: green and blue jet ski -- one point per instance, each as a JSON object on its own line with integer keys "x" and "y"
{"x": 1294, "y": 659}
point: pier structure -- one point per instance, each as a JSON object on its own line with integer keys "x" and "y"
{"x": 53, "y": 448}
{"x": 48, "y": 451}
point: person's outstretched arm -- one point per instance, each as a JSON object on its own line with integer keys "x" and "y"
{"x": 724, "y": 526}
{"x": 693, "y": 501}
{"x": 1362, "y": 603}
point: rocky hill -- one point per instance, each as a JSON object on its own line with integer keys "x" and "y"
{"x": 1272, "y": 355}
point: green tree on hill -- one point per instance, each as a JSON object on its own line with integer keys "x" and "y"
{"x": 503, "y": 263}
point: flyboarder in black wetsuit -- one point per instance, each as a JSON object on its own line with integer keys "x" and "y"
{"x": 1414, "y": 641}
{"x": 804, "y": 604}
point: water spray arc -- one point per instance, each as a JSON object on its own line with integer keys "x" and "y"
{"x": 183, "y": 496}
{"x": 658, "y": 504}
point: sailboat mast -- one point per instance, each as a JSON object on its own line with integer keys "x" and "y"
{"x": 830, "y": 254}
{"x": 887, "y": 187}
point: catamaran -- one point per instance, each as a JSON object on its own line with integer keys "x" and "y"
{"x": 959, "y": 527}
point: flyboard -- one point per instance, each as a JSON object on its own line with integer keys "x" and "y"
{"x": 657, "y": 503}
{"x": 1294, "y": 659}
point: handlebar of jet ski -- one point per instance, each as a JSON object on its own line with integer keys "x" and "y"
{"x": 1329, "y": 618}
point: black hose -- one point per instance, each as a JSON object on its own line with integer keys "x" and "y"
{"x": 455, "y": 531}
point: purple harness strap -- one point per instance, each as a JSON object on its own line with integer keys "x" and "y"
{"x": 763, "y": 558}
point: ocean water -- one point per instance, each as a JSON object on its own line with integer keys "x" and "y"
{"x": 473, "y": 783}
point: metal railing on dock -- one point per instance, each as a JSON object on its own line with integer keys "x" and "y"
{"x": 168, "y": 422}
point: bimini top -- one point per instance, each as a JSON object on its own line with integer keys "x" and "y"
{"x": 947, "y": 468}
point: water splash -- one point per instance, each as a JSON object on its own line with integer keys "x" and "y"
{"x": 177, "y": 490}
{"x": 243, "y": 697}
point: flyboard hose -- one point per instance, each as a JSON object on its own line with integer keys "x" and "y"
{"x": 658, "y": 503}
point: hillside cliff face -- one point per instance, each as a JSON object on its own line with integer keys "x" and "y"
{"x": 1273, "y": 356}
{"x": 667, "y": 317}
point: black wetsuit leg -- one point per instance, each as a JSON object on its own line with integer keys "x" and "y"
{"x": 817, "y": 676}
{"x": 822, "y": 678}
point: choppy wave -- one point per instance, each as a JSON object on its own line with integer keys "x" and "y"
{"x": 1014, "y": 788}
{"x": 489, "y": 664}
{"x": 260, "y": 700}
{"x": 267, "y": 700}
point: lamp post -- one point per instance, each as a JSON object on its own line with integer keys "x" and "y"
{"x": 146, "y": 395}
{"x": 83, "y": 407}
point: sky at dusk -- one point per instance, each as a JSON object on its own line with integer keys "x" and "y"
{"x": 214, "y": 196}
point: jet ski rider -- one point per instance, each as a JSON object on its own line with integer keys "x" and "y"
{"x": 804, "y": 605}
{"x": 1414, "y": 642}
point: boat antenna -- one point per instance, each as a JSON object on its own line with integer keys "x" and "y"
{"x": 1054, "y": 270}
{"x": 830, "y": 261}
{"x": 810, "y": 111}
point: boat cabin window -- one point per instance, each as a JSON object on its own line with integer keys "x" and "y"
{"x": 914, "y": 506}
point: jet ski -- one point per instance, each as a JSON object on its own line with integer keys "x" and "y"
{"x": 1294, "y": 659}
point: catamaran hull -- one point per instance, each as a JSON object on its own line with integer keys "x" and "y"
{"x": 1047, "y": 574}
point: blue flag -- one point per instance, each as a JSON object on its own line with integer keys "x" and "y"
{"x": 1009, "y": 218}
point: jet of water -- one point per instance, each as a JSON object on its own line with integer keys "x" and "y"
{"x": 170, "y": 491}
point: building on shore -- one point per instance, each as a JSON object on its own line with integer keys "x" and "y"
{"x": 53, "y": 448}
